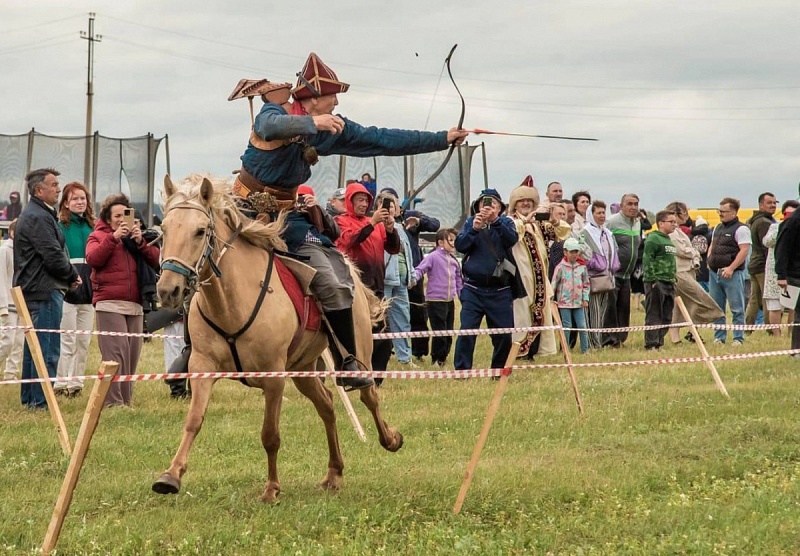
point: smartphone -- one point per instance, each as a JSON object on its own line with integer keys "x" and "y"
{"x": 387, "y": 203}
{"x": 486, "y": 202}
{"x": 127, "y": 217}
{"x": 542, "y": 216}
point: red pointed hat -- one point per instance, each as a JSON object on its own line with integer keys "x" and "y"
{"x": 316, "y": 80}
{"x": 528, "y": 181}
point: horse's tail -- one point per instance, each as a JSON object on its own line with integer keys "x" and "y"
{"x": 377, "y": 306}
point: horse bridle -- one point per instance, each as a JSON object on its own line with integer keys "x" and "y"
{"x": 192, "y": 273}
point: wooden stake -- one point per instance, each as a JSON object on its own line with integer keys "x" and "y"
{"x": 89, "y": 424}
{"x": 567, "y": 356}
{"x": 699, "y": 341}
{"x": 41, "y": 369}
{"x": 487, "y": 424}
{"x": 348, "y": 406}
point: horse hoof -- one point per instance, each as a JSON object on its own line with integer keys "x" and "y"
{"x": 167, "y": 484}
{"x": 399, "y": 442}
{"x": 331, "y": 482}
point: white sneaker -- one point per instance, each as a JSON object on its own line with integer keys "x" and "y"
{"x": 718, "y": 341}
{"x": 738, "y": 343}
{"x": 408, "y": 364}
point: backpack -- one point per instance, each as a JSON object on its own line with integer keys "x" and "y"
{"x": 700, "y": 242}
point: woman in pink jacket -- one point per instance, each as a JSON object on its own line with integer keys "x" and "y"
{"x": 121, "y": 262}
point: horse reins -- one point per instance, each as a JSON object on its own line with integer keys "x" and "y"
{"x": 192, "y": 274}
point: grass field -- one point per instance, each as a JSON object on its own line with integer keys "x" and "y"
{"x": 661, "y": 463}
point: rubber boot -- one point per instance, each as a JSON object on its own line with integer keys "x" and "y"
{"x": 342, "y": 324}
{"x": 179, "y": 387}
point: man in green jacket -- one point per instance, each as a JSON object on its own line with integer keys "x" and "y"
{"x": 660, "y": 275}
{"x": 627, "y": 231}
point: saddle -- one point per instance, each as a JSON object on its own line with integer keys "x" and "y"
{"x": 296, "y": 278}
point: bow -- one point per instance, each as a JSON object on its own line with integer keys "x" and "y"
{"x": 414, "y": 192}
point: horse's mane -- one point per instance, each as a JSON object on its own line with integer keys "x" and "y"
{"x": 266, "y": 236}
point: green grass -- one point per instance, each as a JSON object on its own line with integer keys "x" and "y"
{"x": 661, "y": 463}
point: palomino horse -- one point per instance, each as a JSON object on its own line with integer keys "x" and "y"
{"x": 211, "y": 248}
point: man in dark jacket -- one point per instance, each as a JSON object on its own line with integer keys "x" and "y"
{"x": 485, "y": 239}
{"x": 43, "y": 271}
{"x": 759, "y": 224}
{"x": 727, "y": 253}
{"x": 787, "y": 265}
{"x": 415, "y": 222}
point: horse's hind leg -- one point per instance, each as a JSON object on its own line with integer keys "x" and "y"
{"x": 270, "y": 434}
{"x": 322, "y": 398}
{"x": 170, "y": 481}
{"x": 389, "y": 437}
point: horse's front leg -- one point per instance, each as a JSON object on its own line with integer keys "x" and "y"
{"x": 170, "y": 481}
{"x": 389, "y": 437}
{"x": 271, "y": 435}
{"x": 322, "y": 398}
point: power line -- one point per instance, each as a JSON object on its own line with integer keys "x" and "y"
{"x": 9, "y": 31}
{"x": 45, "y": 43}
{"x": 418, "y": 95}
{"x": 208, "y": 61}
{"x": 250, "y": 48}
{"x": 366, "y": 89}
{"x": 480, "y": 80}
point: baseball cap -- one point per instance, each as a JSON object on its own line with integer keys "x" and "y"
{"x": 339, "y": 194}
{"x": 572, "y": 244}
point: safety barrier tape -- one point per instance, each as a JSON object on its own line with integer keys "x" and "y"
{"x": 413, "y": 374}
{"x": 433, "y": 333}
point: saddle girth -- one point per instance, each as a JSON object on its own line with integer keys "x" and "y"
{"x": 231, "y": 338}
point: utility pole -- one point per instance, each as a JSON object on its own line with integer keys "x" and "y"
{"x": 92, "y": 38}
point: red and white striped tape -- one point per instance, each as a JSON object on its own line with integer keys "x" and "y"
{"x": 418, "y": 374}
{"x": 433, "y": 333}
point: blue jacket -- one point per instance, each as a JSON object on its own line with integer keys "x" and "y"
{"x": 393, "y": 268}
{"x": 483, "y": 249}
{"x": 285, "y": 168}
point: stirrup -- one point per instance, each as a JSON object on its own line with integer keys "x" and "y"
{"x": 350, "y": 383}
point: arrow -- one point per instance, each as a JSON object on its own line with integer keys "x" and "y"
{"x": 478, "y": 131}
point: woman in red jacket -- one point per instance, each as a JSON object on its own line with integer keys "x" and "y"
{"x": 121, "y": 261}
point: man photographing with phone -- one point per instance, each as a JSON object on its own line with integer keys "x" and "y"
{"x": 485, "y": 240}
{"x": 364, "y": 239}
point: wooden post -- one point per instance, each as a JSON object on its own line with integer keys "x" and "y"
{"x": 89, "y": 424}
{"x": 41, "y": 369}
{"x": 348, "y": 406}
{"x": 699, "y": 341}
{"x": 567, "y": 356}
{"x": 487, "y": 424}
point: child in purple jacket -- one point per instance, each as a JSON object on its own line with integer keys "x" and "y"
{"x": 444, "y": 285}
{"x": 571, "y": 291}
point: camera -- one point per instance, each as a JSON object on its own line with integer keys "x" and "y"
{"x": 300, "y": 203}
{"x": 486, "y": 202}
{"x": 386, "y": 203}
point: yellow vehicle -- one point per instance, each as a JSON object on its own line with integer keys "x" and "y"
{"x": 711, "y": 216}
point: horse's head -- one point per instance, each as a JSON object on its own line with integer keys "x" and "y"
{"x": 188, "y": 242}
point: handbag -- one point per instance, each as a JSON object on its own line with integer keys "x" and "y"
{"x": 601, "y": 283}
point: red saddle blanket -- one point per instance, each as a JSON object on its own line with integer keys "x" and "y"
{"x": 305, "y": 307}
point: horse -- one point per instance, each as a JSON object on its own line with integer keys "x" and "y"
{"x": 211, "y": 248}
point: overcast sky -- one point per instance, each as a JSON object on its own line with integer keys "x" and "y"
{"x": 691, "y": 101}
